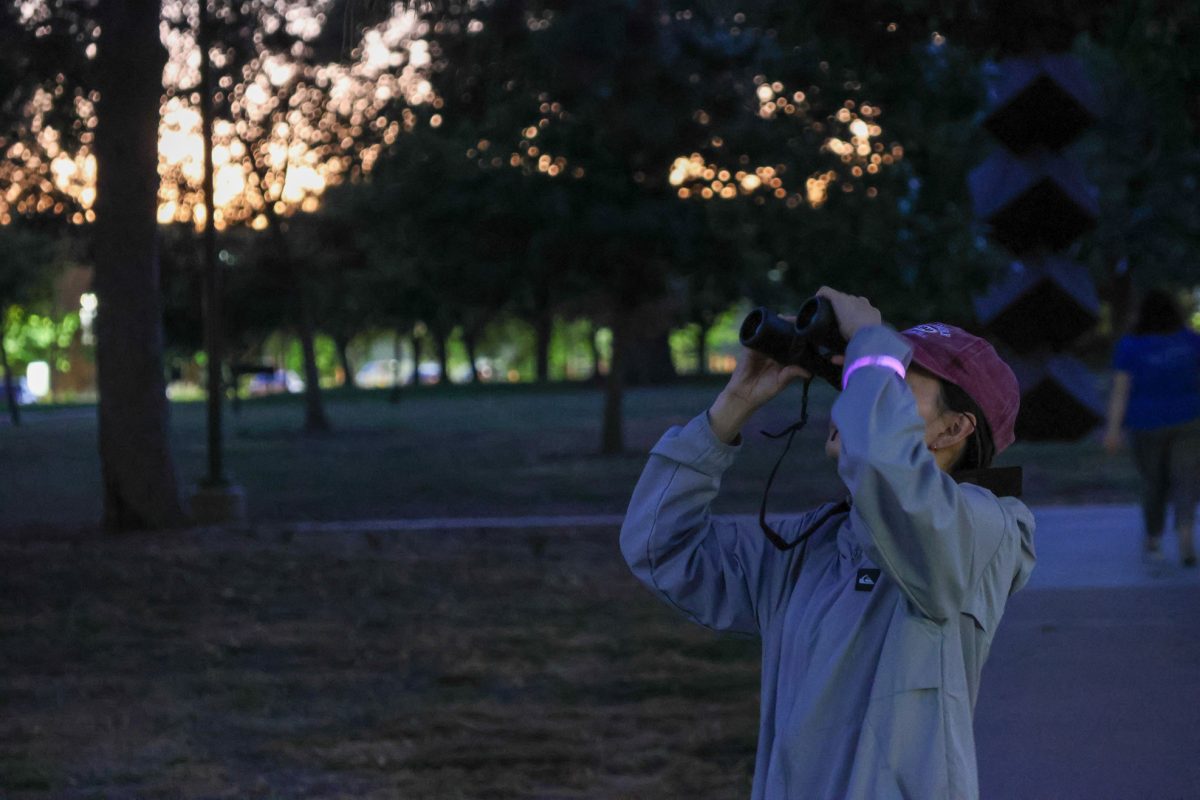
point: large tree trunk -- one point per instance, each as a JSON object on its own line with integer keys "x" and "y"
{"x": 342, "y": 343}
{"x": 612, "y": 437}
{"x": 702, "y": 348}
{"x": 315, "y": 419}
{"x": 594, "y": 343}
{"x": 140, "y": 484}
{"x": 647, "y": 359}
{"x": 470, "y": 340}
{"x": 415, "y": 378}
{"x": 441, "y": 342}
{"x": 10, "y": 388}
{"x": 544, "y": 330}
{"x": 397, "y": 381}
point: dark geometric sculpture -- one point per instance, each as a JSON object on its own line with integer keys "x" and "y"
{"x": 1043, "y": 100}
{"x": 1040, "y": 201}
{"x": 1036, "y": 201}
{"x": 1043, "y": 301}
{"x": 1060, "y": 399}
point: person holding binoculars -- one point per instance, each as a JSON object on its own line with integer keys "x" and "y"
{"x": 876, "y": 612}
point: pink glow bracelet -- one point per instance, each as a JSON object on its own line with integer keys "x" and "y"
{"x": 894, "y": 364}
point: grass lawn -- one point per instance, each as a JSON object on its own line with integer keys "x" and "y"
{"x": 449, "y": 665}
{"x": 453, "y": 451}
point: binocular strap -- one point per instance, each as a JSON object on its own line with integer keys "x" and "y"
{"x": 772, "y": 535}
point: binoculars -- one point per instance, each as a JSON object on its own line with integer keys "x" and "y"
{"x": 809, "y": 342}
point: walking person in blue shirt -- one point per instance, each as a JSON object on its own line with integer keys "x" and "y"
{"x": 1156, "y": 397}
{"x": 876, "y": 612}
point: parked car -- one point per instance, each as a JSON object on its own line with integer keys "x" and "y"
{"x": 278, "y": 382}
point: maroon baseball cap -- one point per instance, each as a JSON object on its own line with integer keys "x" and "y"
{"x": 974, "y": 366}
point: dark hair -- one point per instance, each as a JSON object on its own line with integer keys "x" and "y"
{"x": 1159, "y": 313}
{"x": 980, "y": 448}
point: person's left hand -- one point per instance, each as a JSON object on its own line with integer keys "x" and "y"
{"x": 852, "y": 312}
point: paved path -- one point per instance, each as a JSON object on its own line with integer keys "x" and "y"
{"x": 1092, "y": 689}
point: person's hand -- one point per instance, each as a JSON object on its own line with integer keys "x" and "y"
{"x": 756, "y": 380}
{"x": 1112, "y": 442}
{"x": 852, "y": 312}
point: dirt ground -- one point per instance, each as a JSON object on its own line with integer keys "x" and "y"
{"x": 427, "y": 665}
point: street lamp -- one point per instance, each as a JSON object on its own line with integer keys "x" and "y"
{"x": 216, "y": 500}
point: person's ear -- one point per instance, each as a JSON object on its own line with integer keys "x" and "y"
{"x": 959, "y": 426}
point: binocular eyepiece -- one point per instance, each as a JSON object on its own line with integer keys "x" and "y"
{"x": 809, "y": 342}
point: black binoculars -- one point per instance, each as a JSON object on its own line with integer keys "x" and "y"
{"x": 810, "y": 342}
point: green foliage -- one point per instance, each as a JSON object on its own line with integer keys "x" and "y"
{"x": 570, "y": 352}
{"x": 32, "y": 331}
{"x": 38, "y": 337}
{"x": 683, "y": 348}
{"x": 1143, "y": 154}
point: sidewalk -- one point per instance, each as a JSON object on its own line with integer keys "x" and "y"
{"x": 1101, "y": 547}
{"x": 1093, "y": 684}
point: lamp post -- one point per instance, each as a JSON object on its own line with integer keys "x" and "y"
{"x": 216, "y": 500}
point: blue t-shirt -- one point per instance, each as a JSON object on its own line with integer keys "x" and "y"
{"x": 1165, "y": 370}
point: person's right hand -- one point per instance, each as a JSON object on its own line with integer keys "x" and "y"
{"x": 756, "y": 379}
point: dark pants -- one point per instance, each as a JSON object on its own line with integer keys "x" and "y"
{"x": 1168, "y": 459}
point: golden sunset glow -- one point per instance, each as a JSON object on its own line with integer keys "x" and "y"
{"x": 855, "y": 145}
{"x": 292, "y": 131}
{"x": 291, "y": 135}
{"x": 696, "y": 177}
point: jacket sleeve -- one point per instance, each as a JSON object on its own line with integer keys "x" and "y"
{"x": 936, "y": 539}
{"x": 716, "y": 572}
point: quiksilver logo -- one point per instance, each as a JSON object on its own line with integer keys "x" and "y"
{"x": 867, "y": 578}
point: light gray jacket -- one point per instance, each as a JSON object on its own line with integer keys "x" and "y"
{"x": 865, "y": 693}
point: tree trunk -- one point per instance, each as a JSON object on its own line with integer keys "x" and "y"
{"x": 237, "y": 395}
{"x": 140, "y": 484}
{"x": 470, "y": 338}
{"x": 343, "y": 350}
{"x": 315, "y": 419}
{"x": 612, "y": 437}
{"x": 441, "y": 341}
{"x": 415, "y": 378}
{"x": 544, "y": 330}
{"x": 702, "y": 349}
{"x": 594, "y": 342}
{"x": 397, "y": 351}
{"x": 10, "y": 388}
{"x": 647, "y": 359}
